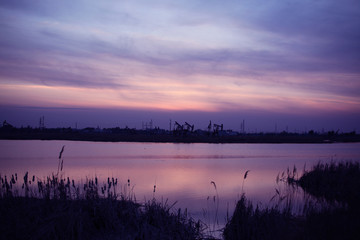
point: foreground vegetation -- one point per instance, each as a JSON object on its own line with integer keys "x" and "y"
{"x": 334, "y": 214}
{"x": 57, "y": 208}
{"x": 249, "y": 222}
{"x": 334, "y": 182}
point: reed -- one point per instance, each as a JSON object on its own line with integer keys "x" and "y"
{"x": 57, "y": 208}
{"x": 334, "y": 181}
{"x": 329, "y": 210}
{"x": 254, "y": 222}
{"x": 245, "y": 176}
{"x": 212, "y": 202}
{"x": 249, "y": 222}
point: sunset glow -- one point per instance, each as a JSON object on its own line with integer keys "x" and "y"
{"x": 290, "y": 58}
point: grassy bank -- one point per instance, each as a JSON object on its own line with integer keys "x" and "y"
{"x": 249, "y": 222}
{"x": 334, "y": 214}
{"x": 56, "y": 208}
{"x": 33, "y": 218}
{"x": 334, "y": 182}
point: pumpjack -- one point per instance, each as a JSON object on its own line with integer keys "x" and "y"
{"x": 183, "y": 129}
{"x": 178, "y": 127}
{"x": 189, "y": 127}
{"x": 218, "y": 127}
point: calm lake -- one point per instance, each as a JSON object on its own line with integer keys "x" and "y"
{"x": 181, "y": 172}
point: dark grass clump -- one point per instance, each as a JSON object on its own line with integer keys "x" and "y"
{"x": 331, "y": 211}
{"x": 334, "y": 182}
{"x": 331, "y": 223}
{"x": 161, "y": 223}
{"x": 248, "y": 222}
{"x": 328, "y": 222}
{"x": 57, "y": 208}
{"x": 32, "y": 218}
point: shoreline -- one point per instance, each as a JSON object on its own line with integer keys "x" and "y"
{"x": 167, "y": 137}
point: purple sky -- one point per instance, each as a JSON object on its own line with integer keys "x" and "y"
{"x": 293, "y": 64}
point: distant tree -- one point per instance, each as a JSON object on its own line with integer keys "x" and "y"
{"x": 331, "y": 133}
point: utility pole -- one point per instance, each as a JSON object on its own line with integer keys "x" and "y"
{"x": 42, "y": 122}
{"x": 242, "y": 126}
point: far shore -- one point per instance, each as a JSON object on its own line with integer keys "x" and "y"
{"x": 165, "y": 136}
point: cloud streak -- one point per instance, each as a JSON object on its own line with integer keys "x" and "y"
{"x": 232, "y": 55}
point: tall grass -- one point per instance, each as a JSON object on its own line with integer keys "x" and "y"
{"x": 249, "y": 222}
{"x": 321, "y": 216}
{"x": 58, "y": 208}
{"x": 212, "y": 206}
{"x": 334, "y": 182}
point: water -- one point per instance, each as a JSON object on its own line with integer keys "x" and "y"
{"x": 181, "y": 172}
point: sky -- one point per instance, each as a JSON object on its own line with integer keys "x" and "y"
{"x": 290, "y": 64}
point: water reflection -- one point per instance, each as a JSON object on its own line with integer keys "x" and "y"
{"x": 181, "y": 172}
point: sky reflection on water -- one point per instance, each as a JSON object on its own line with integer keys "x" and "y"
{"x": 181, "y": 172}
